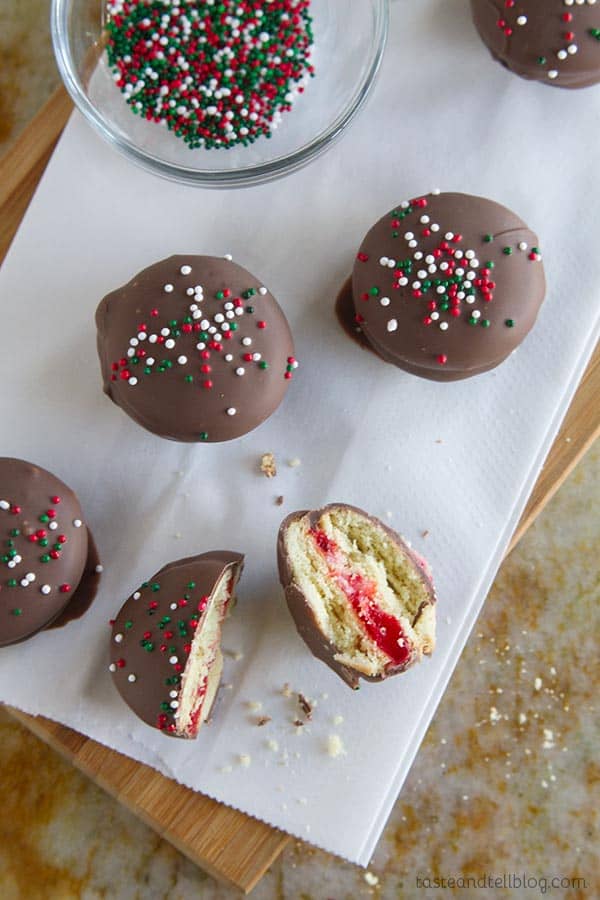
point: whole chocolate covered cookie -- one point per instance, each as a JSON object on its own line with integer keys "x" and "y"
{"x": 556, "y": 42}
{"x": 195, "y": 348}
{"x": 165, "y": 648}
{"x": 45, "y": 550}
{"x": 447, "y": 285}
{"x": 360, "y": 597}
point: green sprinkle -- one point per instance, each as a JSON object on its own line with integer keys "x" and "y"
{"x": 507, "y": 251}
{"x": 263, "y": 365}
{"x": 155, "y": 586}
{"x": 510, "y": 323}
{"x": 12, "y": 582}
{"x": 485, "y": 323}
{"x": 17, "y": 612}
{"x": 488, "y": 238}
{"x": 14, "y": 532}
{"x": 191, "y": 585}
{"x": 204, "y": 435}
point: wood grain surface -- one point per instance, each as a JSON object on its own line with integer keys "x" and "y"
{"x": 231, "y": 846}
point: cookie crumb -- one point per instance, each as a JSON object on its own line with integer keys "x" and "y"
{"x": 294, "y": 462}
{"x": 264, "y": 720}
{"x": 305, "y": 706}
{"x": 286, "y": 690}
{"x": 254, "y": 705}
{"x": 337, "y": 720}
{"x": 425, "y": 534}
{"x": 273, "y": 745}
{"x": 537, "y": 684}
{"x": 297, "y": 723}
{"x": 335, "y": 746}
{"x": 372, "y": 880}
{"x": 279, "y": 500}
{"x": 226, "y": 769}
{"x": 244, "y": 760}
{"x": 268, "y": 466}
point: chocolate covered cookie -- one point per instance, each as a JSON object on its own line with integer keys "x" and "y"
{"x": 447, "y": 285}
{"x": 195, "y": 348}
{"x": 556, "y": 42}
{"x": 165, "y": 649}
{"x": 363, "y": 601}
{"x": 46, "y": 551}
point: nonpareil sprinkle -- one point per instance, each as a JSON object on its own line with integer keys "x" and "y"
{"x": 216, "y": 74}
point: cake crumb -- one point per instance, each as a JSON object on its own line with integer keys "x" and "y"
{"x": 297, "y": 723}
{"x": 371, "y": 879}
{"x": 254, "y": 705}
{"x": 337, "y": 720}
{"x": 522, "y": 718}
{"x": 226, "y": 769}
{"x": 335, "y": 746}
{"x": 244, "y": 760}
{"x": 286, "y": 690}
{"x": 279, "y": 500}
{"x": 268, "y": 466}
{"x": 537, "y": 684}
{"x": 273, "y": 745}
{"x": 294, "y": 462}
{"x": 494, "y": 715}
{"x": 425, "y": 534}
{"x": 548, "y": 739}
{"x": 264, "y": 720}
{"x": 305, "y": 706}
{"x": 302, "y": 801}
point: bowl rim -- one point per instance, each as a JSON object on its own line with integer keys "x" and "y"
{"x": 257, "y": 173}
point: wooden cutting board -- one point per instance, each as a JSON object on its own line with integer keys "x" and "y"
{"x": 231, "y": 846}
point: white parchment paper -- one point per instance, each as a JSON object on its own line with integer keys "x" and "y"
{"x": 443, "y": 115}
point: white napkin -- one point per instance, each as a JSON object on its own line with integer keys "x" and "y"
{"x": 443, "y": 115}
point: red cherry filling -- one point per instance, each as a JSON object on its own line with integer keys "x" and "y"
{"x": 384, "y": 629}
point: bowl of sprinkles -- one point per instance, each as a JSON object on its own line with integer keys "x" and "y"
{"x": 220, "y": 93}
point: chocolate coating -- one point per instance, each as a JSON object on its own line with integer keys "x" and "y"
{"x": 44, "y": 548}
{"x": 304, "y": 618}
{"x": 150, "y": 640}
{"x": 194, "y": 348}
{"x": 544, "y": 40}
{"x": 446, "y": 286}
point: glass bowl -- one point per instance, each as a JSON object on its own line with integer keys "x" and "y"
{"x": 350, "y": 37}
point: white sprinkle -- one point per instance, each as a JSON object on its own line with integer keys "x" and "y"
{"x": 385, "y": 301}
{"x": 494, "y": 715}
{"x": 185, "y": 270}
{"x": 246, "y": 341}
{"x": 262, "y": 291}
{"x": 118, "y": 638}
{"x": 240, "y": 371}
{"x": 522, "y": 718}
{"x": 231, "y": 411}
{"x": 77, "y": 523}
{"x": 99, "y": 569}
{"x": 228, "y": 357}
{"x": 137, "y": 595}
{"x": 523, "y": 245}
{"x": 337, "y": 720}
{"x": 273, "y": 745}
{"x": 4, "y": 504}
{"x": 169, "y": 344}
{"x": 443, "y": 326}
{"x": 174, "y": 704}
{"x": 173, "y": 694}
{"x": 173, "y": 660}
{"x": 132, "y": 678}
{"x": 521, "y": 20}
{"x": 132, "y": 381}
{"x": 392, "y": 325}
{"x": 182, "y": 360}
{"x": 112, "y": 668}
{"x": 228, "y": 256}
{"x": 45, "y": 589}
{"x": 168, "y": 288}
{"x": 190, "y": 292}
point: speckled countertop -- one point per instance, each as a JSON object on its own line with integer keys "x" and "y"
{"x": 505, "y": 782}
